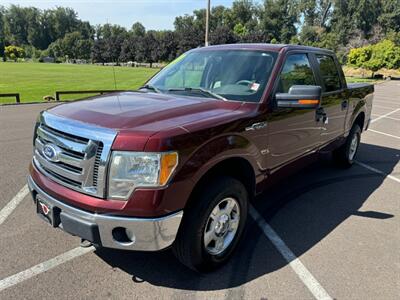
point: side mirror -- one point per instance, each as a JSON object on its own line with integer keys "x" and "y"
{"x": 300, "y": 96}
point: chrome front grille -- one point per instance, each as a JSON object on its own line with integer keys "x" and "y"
{"x": 72, "y": 153}
{"x": 97, "y": 164}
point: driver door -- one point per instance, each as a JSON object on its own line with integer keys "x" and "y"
{"x": 293, "y": 132}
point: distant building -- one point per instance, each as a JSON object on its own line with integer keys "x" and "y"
{"x": 48, "y": 59}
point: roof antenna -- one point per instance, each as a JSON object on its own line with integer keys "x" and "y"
{"x": 115, "y": 81}
{"x": 115, "y": 87}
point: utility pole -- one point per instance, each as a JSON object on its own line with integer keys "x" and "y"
{"x": 207, "y": 22}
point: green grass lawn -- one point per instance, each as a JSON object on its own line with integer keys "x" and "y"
{"x": 359, "y": 79}
{"x": 35, "y": 80}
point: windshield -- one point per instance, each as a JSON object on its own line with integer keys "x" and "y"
{"x": 231, "y": 74}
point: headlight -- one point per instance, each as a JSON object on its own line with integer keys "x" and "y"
{"x": 37, "y": 124}
{"x": 130, "y": 170}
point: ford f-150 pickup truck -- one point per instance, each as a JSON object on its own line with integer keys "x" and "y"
{"x": 177, "y": 162}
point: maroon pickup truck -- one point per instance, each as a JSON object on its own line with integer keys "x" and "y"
{"x": 176, "y": 163}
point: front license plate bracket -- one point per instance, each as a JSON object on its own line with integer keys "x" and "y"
{"x": 47, "y": 212}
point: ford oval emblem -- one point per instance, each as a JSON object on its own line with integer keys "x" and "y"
{"x": 51, "y": 152}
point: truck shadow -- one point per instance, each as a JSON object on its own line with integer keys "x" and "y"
{"x": 303, "y": 209}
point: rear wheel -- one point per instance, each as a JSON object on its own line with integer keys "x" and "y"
{"x": 212, "y": 225}
{"x": 345, "y": 155}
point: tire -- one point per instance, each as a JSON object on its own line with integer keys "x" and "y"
{"x": 190, "y": 246}
{"x": 345, "y": 155}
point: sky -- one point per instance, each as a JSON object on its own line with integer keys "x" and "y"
{"x": 153, "y": 14}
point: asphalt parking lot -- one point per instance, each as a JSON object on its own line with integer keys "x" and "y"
{"x": 324, "y": 233}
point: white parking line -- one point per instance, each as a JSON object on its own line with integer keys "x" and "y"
{"x": 381, "y": 106}
{"x": 377, "y": 171}
{"x": 383, "y": 133}
{"x": 385, "y": 115}
{"x": 302, "y": 272}
{"x": 384, "y": 101}
{"x": 390, "y": 118}
{"x": 8, "y": 209}
{"x": 43, "y": 267}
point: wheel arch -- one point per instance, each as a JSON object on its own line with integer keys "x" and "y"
{"x": 360, "y": 120}
{"x": 233, "y": 155}
{"x": 235, "y": 167}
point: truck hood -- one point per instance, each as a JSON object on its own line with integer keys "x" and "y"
{"x": 143, "y": 112}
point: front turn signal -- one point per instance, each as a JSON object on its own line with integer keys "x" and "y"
{"x": 169, "y": 161}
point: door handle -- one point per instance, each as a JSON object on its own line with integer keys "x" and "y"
{"x": 344, "y": 104}
{"x": 320, "y": 114}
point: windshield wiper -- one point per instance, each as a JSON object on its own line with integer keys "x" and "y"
{"x": 150, "y": 87}
{"x": 199, "y": 89}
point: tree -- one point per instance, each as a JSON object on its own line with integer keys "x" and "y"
{"x": 112, "y": 49}
{"x": 240, "y": 30}
{"x": 16, "y": 24}
{"x": 76, "y": 46}
{"x": 108, "y": 44}
{"x": 187, "y": 32}
{"x": 278, "y": 20}
{"x": 73, "y": 46}
{"x": 54, "y": 50}
{"x": 366, "y": 14}
{"x": 107, "y": 30}
{"x": 98, "y": 50}
{"x": 255, "y": 36}
{"x": 222, "y": 35}
{"x": 61, "y": 21}
{"x": 316, "y": 15}
{"x": 2, "y": 35}
{"x": 243, "y": 12}
{"x": 147, "y": 48}
{"x": 339, "y": 25}
{"x": 389, "y": 18}
{"x": 130, "y": 44}
{"x": 128, "y": 49}
{"x": 70, "y": 44}
{"x": 32, "y": 26}
{"x": 218, "y": 17}
{"x": 86, "y": 30}
{"x": 167, "y": 45}
{"x": 138, "y": 29}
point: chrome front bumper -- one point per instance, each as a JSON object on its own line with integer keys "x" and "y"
{"x": 145, "y": 234}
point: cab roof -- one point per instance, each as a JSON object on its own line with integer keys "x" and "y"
{"x": 266, "y": 47}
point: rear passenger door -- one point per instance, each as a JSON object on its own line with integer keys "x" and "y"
{"x": 334, "y": 104}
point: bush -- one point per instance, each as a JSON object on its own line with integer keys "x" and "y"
{"x": 14, "y": 52}
{"x": 31, "y": 52}
{"x": 384, "y": 54}
{"x": 358, "y": 56}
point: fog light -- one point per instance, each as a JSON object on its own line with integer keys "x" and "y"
{"x": 130, "y": 235}
{"x": 123, "y": 235}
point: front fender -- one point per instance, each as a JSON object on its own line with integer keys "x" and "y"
{"x": 219, "y": 149}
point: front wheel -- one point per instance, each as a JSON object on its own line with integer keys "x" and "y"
{"x": 345, "y": 155}
{"x": 212, "y": 224}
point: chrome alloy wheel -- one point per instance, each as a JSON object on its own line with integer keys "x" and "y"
{"x": 353, "y": 146}
{"x": 221, "y": 226}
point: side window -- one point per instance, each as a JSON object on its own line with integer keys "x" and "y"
{"x": 296, "y": 71}
{"x": 329, "y": 73}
